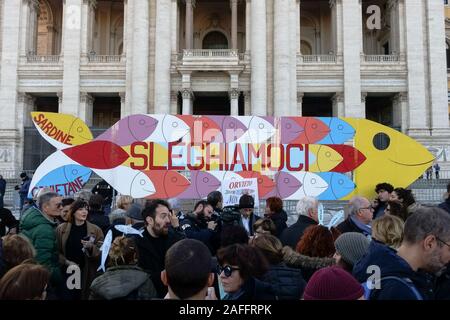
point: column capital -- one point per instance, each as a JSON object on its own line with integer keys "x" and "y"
{"x": 338, "y": 97}
{"x": 190, "y": 2}
{"x": 233, "y": 3}
{"x": 400, "y": 97}
{"x": 300, "y": 96}
{"x": 92, "y": 3}
{"x": 333, "y": 3}
{"x": 23, "y": 97}
{"x": 187, "y": 94}
{"x": 234, "y": 93}
{"x": 60, "y": 97}
{"x": 363, "y": 97}
{"x": 122, "y": 96}
{"x": 390, "y": 4}
{"x": 86, "y": 98}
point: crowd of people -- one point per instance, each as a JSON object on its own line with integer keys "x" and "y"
{"x": 387, "y": 249}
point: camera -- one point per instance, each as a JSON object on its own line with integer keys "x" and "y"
{"x": 230, "y": 215}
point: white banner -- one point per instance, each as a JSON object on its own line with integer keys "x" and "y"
{"x": 232, "y": 190}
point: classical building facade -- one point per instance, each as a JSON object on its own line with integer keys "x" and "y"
{"x": 103, "y": 60}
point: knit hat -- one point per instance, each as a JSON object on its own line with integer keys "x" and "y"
{"x": 352, "y": 246}
{"x": 246, "y": 202}
{"x": 333, "y": 283}
{"x": 135, "y": 212}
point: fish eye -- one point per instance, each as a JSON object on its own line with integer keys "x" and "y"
{"x": 314, "y": 126}
{"x": 341, "y": 181}
{"x": 328, "y": 154}
{"x": 174, "y": 179}
{"x": 74, "y": 171}
{"x": 288, "y": 126}
{"x": 261, "y": 125}
{"x": 205, "y": 180}
{"x": 340, "y": 127}
{"x": 286, "y": 180}
{"x": 205, "y": 125}
{"x": 142, "y": 182}
{"x": 174, "y": 124}
{"x": 142, "y": 122}
{"x": 80, "y": 129}
{"x": 313, "y": 181}
{"x": 232, "y": 125}
{"x": 381, "y": 141}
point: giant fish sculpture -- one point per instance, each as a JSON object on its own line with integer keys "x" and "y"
{"x": 184, "y": 156}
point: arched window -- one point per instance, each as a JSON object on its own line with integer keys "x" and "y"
{"x": 305, "y": 48}
{"x": 215, "y": 40}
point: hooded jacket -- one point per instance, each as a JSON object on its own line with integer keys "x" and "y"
{"x": 391, "y": 264}
{"x": 123, "y": 282}
{"x": 41, "y": 232}
{"x": 307, "y": 265}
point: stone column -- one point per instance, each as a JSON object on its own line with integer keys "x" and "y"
{"x": 60, "y": 101}
{"x": 258, "y": 58}
{"x": 189, "y": 36}
{"x": 337, "y": 25}
{"x": 140, "y": 53}
{"x": 248, "y": 26}
{"x": 281, "y": 50}
{"x": 162, "y": 56}
{"x": 123, "y": 110}
{"x": 437, "y": 77}
{"x": 297, "y": 23}
{"x": 363, "y": 101}
{"x": 174, "y": 24}
{"x": 128, "y": 50}
{"x": 25, "y": 105}
{"x": 293, "y": 42}
{"x": 87, "y": 26}
{"x": 392, "y": 8}
{"x": 9, "y": 61}
{"x": 234, "y": 102}
{"x": 33, "y": 26}
{"x": 174, "y": 102}
{"x": 24, "y": 25}
{"x": 300, "y": 96}
{"x": 86, "y": 108}
{"x": 187, "y": 101}
{"x": 401, "y": 29}
{"x": 417, "y": 85}
{"x": 352, "y": 49}
{"x": 338, "y": 105}
{"x": 234, "y": 22}
{"x": 400, "y": 112}
{"x": 71, "y": 50}
{"x": 247, "y": 103}
{"x": 125, "y": 27}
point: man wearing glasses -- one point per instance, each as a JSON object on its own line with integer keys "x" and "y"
{"x": 408, "y": 273}
{"x": 39, "y": 224}
{"x": 360, "y": 217}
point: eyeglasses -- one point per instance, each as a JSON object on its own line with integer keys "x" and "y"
{"x": 366, "y": 208}
{"x": 227, "y": 270}
{"x": 59, "y": 205}
{"x": 448, "y": 245}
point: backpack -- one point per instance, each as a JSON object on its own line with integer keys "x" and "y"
{"x": 405, "y": 281}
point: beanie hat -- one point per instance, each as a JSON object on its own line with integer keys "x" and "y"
{"x": 352, "y": 246}
{"x": 246, "y": 201}
{"x": 23, "y": 175}
{"x": 135, "y": 212}
{"x": 333, "y": 283}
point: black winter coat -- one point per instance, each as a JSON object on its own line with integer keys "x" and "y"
{"x": 287, "y": 283}
{"x": 152, "y": 252}
{"x": 291, "y": 236}
{"x": 279, "y": 219}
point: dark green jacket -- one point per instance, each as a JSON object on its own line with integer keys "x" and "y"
{"x": 41, "y": 231}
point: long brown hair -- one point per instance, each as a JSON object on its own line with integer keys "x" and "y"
{"x": 78, "y": 204}
{"x": 24, "y": 282}
{"x": 318, "y": 241}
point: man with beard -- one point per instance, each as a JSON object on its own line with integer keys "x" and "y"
{"x": 408, "y": 273}
{"x": 162, "y": 230}
{"x": 198, "y": 225}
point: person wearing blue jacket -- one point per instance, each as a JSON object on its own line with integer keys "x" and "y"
{"x": 408, "y": 274}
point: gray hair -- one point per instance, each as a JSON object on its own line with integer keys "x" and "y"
{"x": 45, "y": 198}
{"x": 355, "y": 204}
{"x": 305, "y": 204}
{"x": 117, "y": 214}
{"x": 427, "y": 221}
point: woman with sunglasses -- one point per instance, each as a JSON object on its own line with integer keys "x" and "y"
{"x": 240, "y": 268}
{"x": 78, "y": 243}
